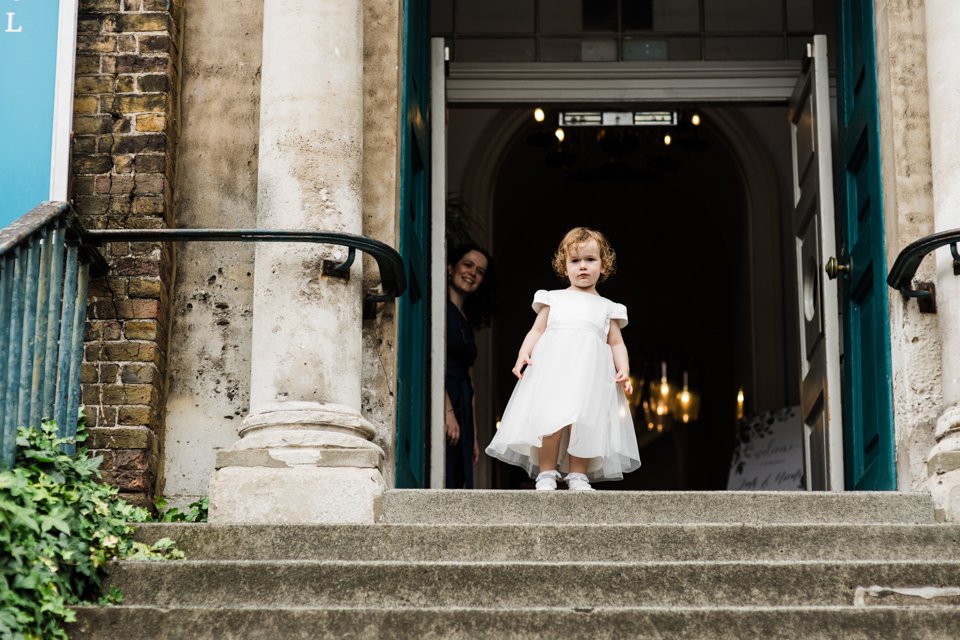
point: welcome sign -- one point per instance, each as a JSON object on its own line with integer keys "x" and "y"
{"x": 37, "y": 52}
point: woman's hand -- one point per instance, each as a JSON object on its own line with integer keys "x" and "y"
{"x": 623, "y": 379}
{"x": 451, "y": 427}
{"x": 522, "y": 360}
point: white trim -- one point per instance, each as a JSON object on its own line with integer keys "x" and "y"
{"x": 622, "y": 82}
{"x": 438, "y": 260}
{"x": 63, "y": 100}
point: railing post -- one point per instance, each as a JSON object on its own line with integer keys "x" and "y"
{"x": 49, "y": 382}
{"x": 26, "y": 342}
{"x": 69, "y": 428}
{"x": 13, "y": 354}
{"x": 66, "y": 338}
{"x": 39, "y": 330}
{"x": 7, "y": 267}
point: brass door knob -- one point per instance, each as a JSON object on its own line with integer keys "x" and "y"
{"x": 834, "y": 267}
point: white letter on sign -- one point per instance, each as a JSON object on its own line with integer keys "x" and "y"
{"x": 10, "y": 28}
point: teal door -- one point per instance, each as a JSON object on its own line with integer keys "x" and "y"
{"x": 413, "y": 370}
{"x": 866, "y": 372}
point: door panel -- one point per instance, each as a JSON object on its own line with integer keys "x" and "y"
{"x": 413, "y": 362}
{"x": 867, "y": 390}
{"x": 813, "y": 228}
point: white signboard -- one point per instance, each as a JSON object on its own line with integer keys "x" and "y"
{"x": 38, "y": 40}
{"x": 769, "y": 453}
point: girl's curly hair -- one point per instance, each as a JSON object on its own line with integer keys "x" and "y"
{"x": 480, "y": 307}
{"x": 576, "y": 237}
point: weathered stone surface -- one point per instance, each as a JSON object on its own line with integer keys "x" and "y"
{"x": 529, "y": 584}
{"x": 610, "y": 507}
{"x": 309, "y": 494}
{"x": 695, "y": 580}
{"x": 720, "y": 623}
{"x": 697, "y": 542}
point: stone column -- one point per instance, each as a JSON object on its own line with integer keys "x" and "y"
{"x": 304, "y": 453}
{"x": 943, "y": 79}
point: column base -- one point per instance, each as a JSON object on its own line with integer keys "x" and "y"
{"x": 943, "y": 467}
{"x": 296, "y": 495}
{"x": 299, "y": 462}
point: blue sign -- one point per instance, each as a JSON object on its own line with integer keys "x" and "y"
{"x": 28, "y": 79}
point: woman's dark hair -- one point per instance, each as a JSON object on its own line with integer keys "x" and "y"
{"x": 480, "y": 307}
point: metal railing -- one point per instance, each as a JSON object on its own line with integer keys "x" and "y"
{"x": 46, "y": 261}
{"x": 393, "y": 280}
{"x": 908, "y": 261}
{"x": 45, "y": 267}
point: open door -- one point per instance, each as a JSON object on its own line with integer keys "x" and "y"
{"x": 438, "y": 263}
{"x": 413, "y": 340}
{"x": 815, "y": 239}
{"x": 867, "y": 374}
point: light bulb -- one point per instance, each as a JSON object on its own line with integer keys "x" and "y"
{"x": 695, "y": 120}
{"x": 559, "y": 133}
{"x": 667, "y": 140}
{"x": 538, "y": 114}
{"x": 685, "y": 397}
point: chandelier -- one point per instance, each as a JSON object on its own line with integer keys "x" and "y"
{"x": 662, "y": 403}
{"x": 630, "y": 140}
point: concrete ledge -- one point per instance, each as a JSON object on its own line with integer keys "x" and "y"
{"x": 298, "y": 456}
{"x": 295, "y": 495}
{"x": 665, "y": 542}
{"x": 619, "y": 507}
{"x": 513, "y": 584}
{"x": 943, "y": 462}
{"x": 822, "y": 623}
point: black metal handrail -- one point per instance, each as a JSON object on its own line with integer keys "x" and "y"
{"x": 392, "y": 276}
{"x": 908, "y": 261}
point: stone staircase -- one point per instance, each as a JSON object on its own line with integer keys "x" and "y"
{"x": 499, "y": 564}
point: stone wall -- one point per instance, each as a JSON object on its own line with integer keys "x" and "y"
{"x": 908, "y": 215}
{"x": 125, "y": 119}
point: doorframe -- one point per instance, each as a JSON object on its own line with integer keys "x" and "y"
{"x": 472, "y": 84}
{"x": 610, "y": 82}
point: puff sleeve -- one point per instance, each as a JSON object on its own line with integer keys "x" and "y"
{"x": 618, "y": 312}
{"x": 541, "y": 299}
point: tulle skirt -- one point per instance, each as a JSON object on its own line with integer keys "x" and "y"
{"x": 571, "y": 382}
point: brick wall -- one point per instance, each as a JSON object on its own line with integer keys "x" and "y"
{"x": 125, "y": 118}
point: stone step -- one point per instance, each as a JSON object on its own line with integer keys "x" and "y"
{"x": 515, "y": 584}
{"x": 812, "y": 623}
{"x": 705, "y": 542}
{"x": 437, "y": 506}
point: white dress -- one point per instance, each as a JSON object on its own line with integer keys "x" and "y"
{"x": 571, "y": 382}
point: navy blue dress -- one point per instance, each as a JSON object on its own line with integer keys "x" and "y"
{"x": 461, "y": 354}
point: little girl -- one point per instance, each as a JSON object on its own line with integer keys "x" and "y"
{"x": 566, "y": 411}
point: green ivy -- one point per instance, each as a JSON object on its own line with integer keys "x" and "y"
{"x": 59, "y": 527}
{"x": 196, "y": 511}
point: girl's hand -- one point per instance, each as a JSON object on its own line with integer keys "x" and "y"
{"x": 623, "y": 379}
{"x": 451, "y": 427}
{"x": 476, "y": 452}
{"x": 522, "y": 359}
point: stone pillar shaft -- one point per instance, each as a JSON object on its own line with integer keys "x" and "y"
{"x": 305, "y": 453}
{"x": 943, "y": 51}
{"x": 306, "y": 328}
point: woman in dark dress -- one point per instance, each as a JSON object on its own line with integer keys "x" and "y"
{"x": 469, "y": 306}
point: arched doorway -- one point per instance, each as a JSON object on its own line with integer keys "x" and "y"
{"x": 690, "y": 227}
